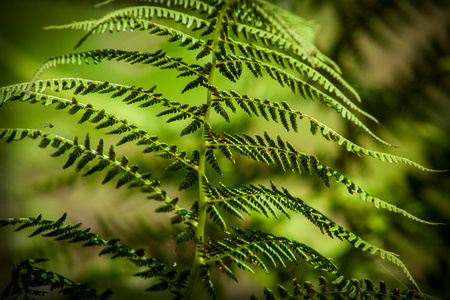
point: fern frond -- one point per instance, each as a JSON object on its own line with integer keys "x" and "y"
{"x": 261, "y": 199}
{"x": 186, "y": 235}
{"x": 157, "y": 59}
{"x": 309, "y": 92}
{"x": 216, "y": 217}
{"x": 86, "y": 86}
{"x": 70, "y": 233}
{"x": 212, "y": 160}
{"x": 277, "y": 249}
{"x": 291, "y": 27}
{"x": 335, "y": 230}
{"x": 274, "y": 111}
{"x": 139, "y": 17}
{"x": 220, "y": 111}
{"x": 190, "y": 179}
{"x": 248, "y": 28}
{"x": 246, "y": 199}
{"x": 198, "y": 5}
{"x": 205, "y": 275}
{"x": 25, "y": 276}
{"x": 251, "y": 247}
{"x": 283, "y": 154}
{"x": 259, "y": 55}
{"x": 129, "y": 174}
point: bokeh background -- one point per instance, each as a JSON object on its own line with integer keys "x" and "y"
{"x": 395, "y": 53}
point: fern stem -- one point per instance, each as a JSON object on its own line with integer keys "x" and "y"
{"x": 199, "y": 261}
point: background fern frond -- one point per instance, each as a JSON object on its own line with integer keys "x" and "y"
{"x": 26, "y": 275}
{"x": 71, "y": 234}
{"x": 291, "y": 27}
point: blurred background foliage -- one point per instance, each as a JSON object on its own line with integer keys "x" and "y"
{"x": 395, "y": 53}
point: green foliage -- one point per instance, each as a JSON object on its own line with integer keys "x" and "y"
{"x": 351, "y": 290}
{"x": 26, "y": 276}
{"x": 234, "y": 38}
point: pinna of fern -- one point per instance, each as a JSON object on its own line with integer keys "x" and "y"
{"x": 230, "y": 36}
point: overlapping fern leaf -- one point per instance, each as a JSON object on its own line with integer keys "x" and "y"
{"x": 25, "y": 275}
{"x": 252, "y": 247}
{"x": 232, "y": 36}
{"x": 267, "y": 200}
{"x": 353, "y": 289}
{"x": 264, "y": 26}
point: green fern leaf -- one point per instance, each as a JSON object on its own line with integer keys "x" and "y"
{"x": 272, "y": 247}
{"x": 25, "y": 276}
{"x": 168, "y": 207}
{"x": 205, "y": 275}
{"x": 221, "y": 111}
{"x": 185, "y": 235}
{"x": 137, "y": 18}
{"x": 216, "y": 217}
{"x": 231, "y": 207}
{"x": 350, "y": 290}
{"x": 44, "y": 143}
{"x": 192, "y": 127}
{"x": 193, "y": 84}
{"x": 132, "y": 137}
{"x": 62, "y": 149}
{"x": 111, "y": 174}
{"x": 129, "y": 173}
{"x": 89, "y": 156}
{"x": 232, "y": 34}
{"x": 212, "y": 160}
{"x": 283, "y": 60}
{"x": 108, "y": 123}
{"x": 189, "y": 180}
{"x": 73, "y": 157}
{"x": 102, "y": 164}
{"x": 288, "y": 158}
{"x": 316, "y": 126}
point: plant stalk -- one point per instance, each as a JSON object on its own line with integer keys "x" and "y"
{"x": 199, "y": 261}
